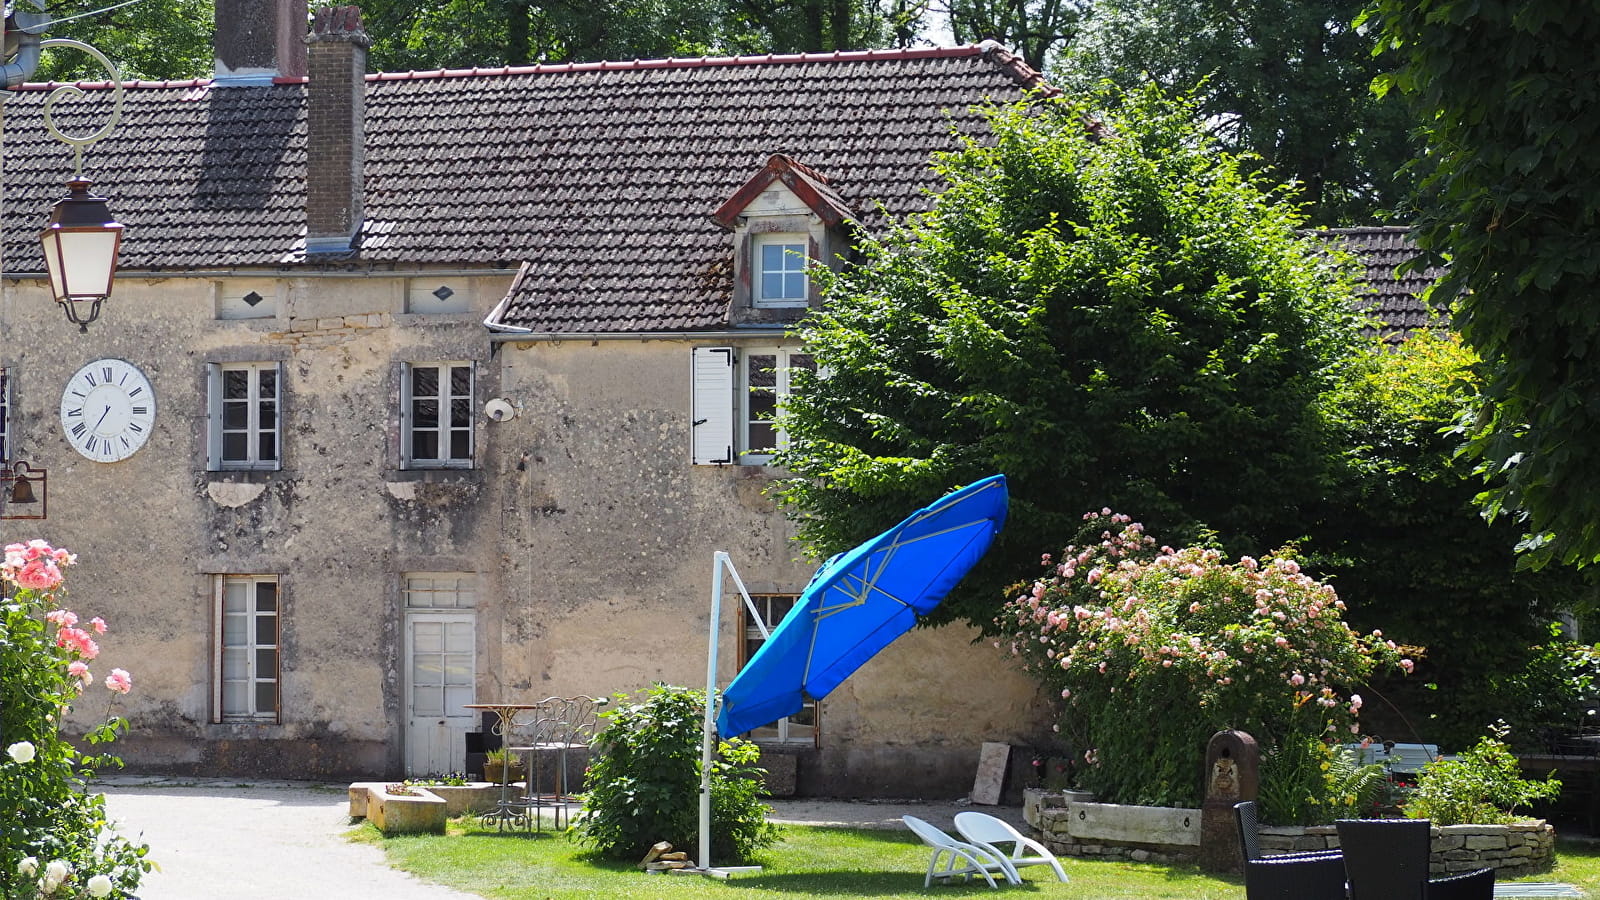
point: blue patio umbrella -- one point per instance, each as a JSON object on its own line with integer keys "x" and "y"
{"x": 860, "y": 601}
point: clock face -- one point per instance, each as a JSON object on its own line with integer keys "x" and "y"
{"x": 108, "y": 410}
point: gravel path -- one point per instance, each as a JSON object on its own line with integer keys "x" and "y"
{"x": 218, "y": 838}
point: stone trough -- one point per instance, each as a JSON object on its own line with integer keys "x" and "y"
{"x": 425, "y": 812}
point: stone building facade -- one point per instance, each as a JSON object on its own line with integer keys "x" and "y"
{"x": 476, "y": 434}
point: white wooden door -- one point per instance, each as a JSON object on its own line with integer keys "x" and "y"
{"x": 439, "y": 683}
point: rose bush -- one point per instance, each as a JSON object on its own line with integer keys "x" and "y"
{"x": 55, "y": 839}
{"x": 1154, "y": 650}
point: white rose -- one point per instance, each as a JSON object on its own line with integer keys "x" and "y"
{"x": 28, "y": 867}
{"x": 100, "y": 886}
{"x": 21, "y": 751}
{"x": 58, "y": 871}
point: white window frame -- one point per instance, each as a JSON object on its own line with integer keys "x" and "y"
{"x": 790, "y": 265}
{"x": 253, "y": 430}
{"x": 789, "y": 729}
{"x": 251, "y": 647}
{"x": 720, "y": 416}
{"x": 447, "y": 399}
{"x": 440, "y": 590}
{"x": 781, "y": 390}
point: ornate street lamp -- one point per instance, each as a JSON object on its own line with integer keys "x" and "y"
{"x": 80, "y": 252}
{"x": 81, "y": 240}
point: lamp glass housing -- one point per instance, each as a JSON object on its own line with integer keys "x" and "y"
{"x": 80, "y": 244}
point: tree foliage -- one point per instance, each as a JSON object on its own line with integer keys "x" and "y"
{"x": 1402, "y": 539}
{"x": 1285, "y": 80}
{"x": 1036, "y": 29}
{"x": 157, "y": 41}
{"x": 1509, "y": 93}
{"x": 1110, "y": 315}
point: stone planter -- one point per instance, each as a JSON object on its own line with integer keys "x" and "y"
{"x": 466, "y": 799}
{"x": 419, "y": 813}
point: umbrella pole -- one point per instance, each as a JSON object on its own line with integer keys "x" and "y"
{"x": 708, "y": 734}
{"x": 708, "y": 739}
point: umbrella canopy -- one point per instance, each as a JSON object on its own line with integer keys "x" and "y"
{"x": 860, "y": 601}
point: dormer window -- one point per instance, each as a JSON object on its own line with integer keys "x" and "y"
{"x": 780, "y": 277}
{"x": 784, "y": 220}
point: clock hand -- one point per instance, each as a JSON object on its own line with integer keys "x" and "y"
{"x": 102, "y": 417}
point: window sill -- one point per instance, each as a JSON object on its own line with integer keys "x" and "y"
{"x": 435, "y": 476}
{"x": 240, "y": 476}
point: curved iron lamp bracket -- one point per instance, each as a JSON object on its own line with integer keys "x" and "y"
{"x": 81, "y": 142}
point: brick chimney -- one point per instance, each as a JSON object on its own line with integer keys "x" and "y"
{"x": 258, "y": 40}
{"x": 335, "y": 129}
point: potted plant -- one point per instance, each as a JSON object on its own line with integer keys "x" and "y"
{"x": 501, "y": 766}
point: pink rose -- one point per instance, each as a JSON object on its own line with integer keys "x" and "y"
{"x": 39, "y": 575}
{"x": 62, "y": 618}
{"x": 98, "y": 624}
{"x": 80, "y": 670}
{"x": 119, "y": 681}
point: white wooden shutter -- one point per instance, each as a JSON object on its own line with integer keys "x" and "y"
{"x": 711, "y": 415}
{"x": 213, "y": 418}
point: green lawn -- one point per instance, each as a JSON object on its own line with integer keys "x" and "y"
{"x": 810, "y": 862}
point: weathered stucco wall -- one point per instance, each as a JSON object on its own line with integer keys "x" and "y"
{"x": 153, "y": 530}
{"x": 609, "y": 534}
{"x": 589, "y": 531}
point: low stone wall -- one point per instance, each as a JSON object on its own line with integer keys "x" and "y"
{"x": 1077, "y": 827}
{"x": 1511, "y": 850}
{"x": 1070, "y": 825}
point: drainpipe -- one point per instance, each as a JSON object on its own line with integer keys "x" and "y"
{"x": 27, "y": 27}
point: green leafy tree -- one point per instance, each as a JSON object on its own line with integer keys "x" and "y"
{"x": 1509, "y": 94}
{"x": 1110, "y": 315}
{"x": 1403, "y": 540}
{"x": 1034, "y": 28}
{"x": 157, "y": 41}
{"x": 460, "y": 33}
{"x": 1284, "y": 80}
{"x": 456, "y": 33}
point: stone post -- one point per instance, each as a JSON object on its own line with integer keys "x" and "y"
{"x": 1232, "y": 775}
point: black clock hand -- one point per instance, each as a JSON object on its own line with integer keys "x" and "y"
{"x": 102, "y": 418}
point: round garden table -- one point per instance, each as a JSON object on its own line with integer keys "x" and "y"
{"x": 508, "y": 810}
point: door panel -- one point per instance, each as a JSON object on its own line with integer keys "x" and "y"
{"x": 440, "y": 668}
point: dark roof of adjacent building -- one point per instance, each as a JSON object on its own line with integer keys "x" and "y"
{"x": 1393, "y": 297}
{"x": 598, "y": 181}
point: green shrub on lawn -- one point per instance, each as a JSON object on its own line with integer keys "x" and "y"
{"x": 1482, "y": 786}
{"x": 644, "y": 785}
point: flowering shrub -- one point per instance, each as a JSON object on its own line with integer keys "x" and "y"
{"x": 55, "y": 840}
{"x": 1153, "y": 651}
